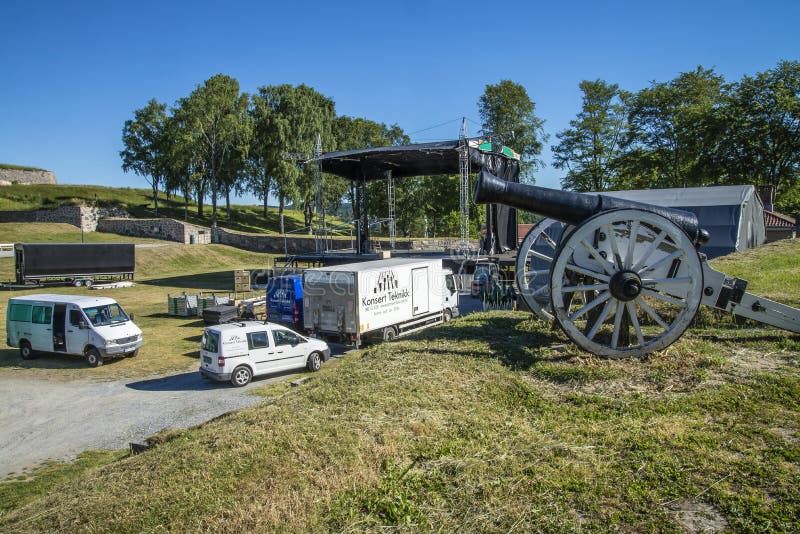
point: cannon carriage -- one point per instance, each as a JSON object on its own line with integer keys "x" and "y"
{"x": 620, "y": 278}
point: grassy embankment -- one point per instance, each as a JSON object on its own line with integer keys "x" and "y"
{"x": 139, "y": 203}
{"x": 171, "y": 343}
{"x": 482, "y": 425}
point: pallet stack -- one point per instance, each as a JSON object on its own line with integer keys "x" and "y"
{"x": 207, "y": 300}
{"x": 182, "y": 305}
{"x": 241, "y": 281}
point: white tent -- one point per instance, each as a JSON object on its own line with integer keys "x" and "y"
{"x": 733, "y": 214}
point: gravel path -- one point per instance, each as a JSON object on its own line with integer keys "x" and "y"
{"x": 44, "y": 419}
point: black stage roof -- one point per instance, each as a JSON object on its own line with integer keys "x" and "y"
{"x": 423, "y": 159}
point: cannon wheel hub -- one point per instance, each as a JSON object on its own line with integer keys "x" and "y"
{"x": 625, "y": 285}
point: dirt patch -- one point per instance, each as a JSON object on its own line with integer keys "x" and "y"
{"x": 698, "y": 517}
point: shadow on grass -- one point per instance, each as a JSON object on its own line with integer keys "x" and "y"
{"x": 10, "y": 358}
{"x": 513, "y": 340}
{"x": 216, "y": 281}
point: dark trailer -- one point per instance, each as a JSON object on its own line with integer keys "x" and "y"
{"x": 74, "y": 263}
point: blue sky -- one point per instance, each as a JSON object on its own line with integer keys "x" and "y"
{"x": 71, "y": 73}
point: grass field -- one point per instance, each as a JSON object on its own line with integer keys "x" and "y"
{"x": 490, "y": 423}
{"x": 139, "y": 203}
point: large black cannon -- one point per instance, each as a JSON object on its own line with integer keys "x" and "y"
{"x": 621, "y": 278}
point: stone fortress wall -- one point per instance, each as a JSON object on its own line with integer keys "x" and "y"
{"x": 19, "y": 176}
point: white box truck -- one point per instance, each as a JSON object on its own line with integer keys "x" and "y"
{"x": 380, "y": 299}
{"x": 93, "y": 327}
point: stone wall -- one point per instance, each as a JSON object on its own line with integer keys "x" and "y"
{"x": 12, "y": 176}
{"x": 163, "y": 228}
{"x": 83, "y": 217}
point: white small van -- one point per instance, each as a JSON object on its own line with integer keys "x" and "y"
{"x": 237, "y": 352}
{"x": 94, "y": 327}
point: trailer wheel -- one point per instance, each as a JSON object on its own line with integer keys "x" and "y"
{"x": 389, "y": 333}
{"x": 93, "y": 357}
{"x": 447, "y": 316}
{"x": 89, "y": 283}
{"x": 77, "y": 283}
{"x": 25, "y": 350}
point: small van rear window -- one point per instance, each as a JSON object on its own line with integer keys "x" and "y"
{"x": 210, "y": 341}
{"x": 20, "y": 312}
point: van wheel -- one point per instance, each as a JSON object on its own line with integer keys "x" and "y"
{"x": 241, "y": 376}
{"x": 448, "y": 315}
{"x": 93, "y": 358}
{"x": 133, "y": 354}
{"x": 77, "y": 283}
{"x": 25, "y": 350}
{"x": 389, "y": 333}
{"x": 314, "y": 362}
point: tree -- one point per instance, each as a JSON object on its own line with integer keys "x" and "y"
{"x": 146, "y": 151}
{"x": 670, "y": 137}
{"x": 760, "y": 141}
{"x": 507, "y": 114}
{"x": 292, "y": 118}
{"x": 213, "y": 121}
{"x": 587, "y": 149}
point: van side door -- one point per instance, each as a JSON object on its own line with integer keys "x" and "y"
{"x": 76, "y": 337}
{"x": 262, "y": 352}
{"x": 42, "y": 327}
{"x": 289, "y": 349}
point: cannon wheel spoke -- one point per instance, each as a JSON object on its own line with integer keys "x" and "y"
{"x": 613, "y": 322}
{"x": 533, "y": 263}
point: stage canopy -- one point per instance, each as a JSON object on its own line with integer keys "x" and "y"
{"x": 423, "y": 159}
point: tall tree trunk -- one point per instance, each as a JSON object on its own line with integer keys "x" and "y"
{"x": 201, "y": 194}
{"x": 186, "y": 203}
{"x": 265, "y": 189}
{"x": 228, "y": 203}
{"x": 213, "y": 204}
{"x": 281, "y": 201}
{"x": 155, "y": 196}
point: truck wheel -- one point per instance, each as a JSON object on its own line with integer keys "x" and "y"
{"x": 314, "y": 362}
{"x": 389, "y": 333}
{"x": 25, "y": 350}
{"x": 241, "y": 376}
{"x": 77, "y": 283}
{"x": 448, "y": 315}
{"x": 93, "y": 357}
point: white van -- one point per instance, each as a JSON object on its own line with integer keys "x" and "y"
{"x": 239, "y": 351}
{"x": 95, "y": 327}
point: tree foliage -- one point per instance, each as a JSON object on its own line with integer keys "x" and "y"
{"x": 508, "y": 115}
{"x": 146, "y": 140}
{"x": 589, "y": 146}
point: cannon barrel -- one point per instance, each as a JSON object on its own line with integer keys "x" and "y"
{"x": 574, "y": 208}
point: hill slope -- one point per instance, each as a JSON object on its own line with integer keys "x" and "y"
{"x": 139, "y": 203}
{"x": 479, "y": 425}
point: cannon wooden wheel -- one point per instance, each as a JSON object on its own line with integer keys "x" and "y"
{"x": 534, "y": 260}
{"x": 641, "y": 278}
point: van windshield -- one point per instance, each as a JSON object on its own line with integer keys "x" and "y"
{"x": 106, "y": 315}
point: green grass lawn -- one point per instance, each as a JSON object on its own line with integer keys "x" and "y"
{"x": 489, "y": 423}
{"x": 139, "y": 203}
